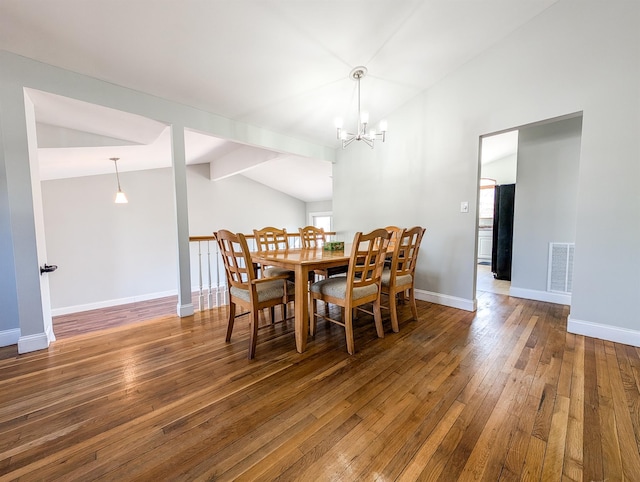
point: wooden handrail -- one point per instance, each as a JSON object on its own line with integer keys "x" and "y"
{"x": 211, "y": 237}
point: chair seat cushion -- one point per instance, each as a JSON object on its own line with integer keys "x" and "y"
{"x": 405, "y": 279}
{"x": 337, "y": 288}
{"x": 275, "y": 271}
{"x": 266, "y": 291}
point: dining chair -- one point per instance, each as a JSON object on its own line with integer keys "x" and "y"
{"x": 312, "y": 237}
{"x": 394, "y": 231}
{"x": 273, "y": 239}
{"x": 399, "y": 278}
{"x": 360, "y": 286}
{"x": 245, "y": 288}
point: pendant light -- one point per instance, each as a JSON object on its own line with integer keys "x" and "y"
{"x": 121, "y": 198}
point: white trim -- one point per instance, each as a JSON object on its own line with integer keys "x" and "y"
{"x": 319, "y": 213}
{"x": 549, "y": 297}
{"x": 185, "y": 310}
{"x": 31, "y": 343}
{"x": 108, "y": 303}
{"x": 447, "y": 300}
{"x": 9, "y": 337}
{"x": 603, "y": 332}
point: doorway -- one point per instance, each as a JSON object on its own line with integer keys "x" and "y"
{"x": 498, "y": 167}
{"x": 546, "y": 159}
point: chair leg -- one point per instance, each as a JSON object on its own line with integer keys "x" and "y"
{"x": 393, "y": 309}
{"x": 312, "y": 320}
{"x": 232, "y": 317}
{"x": 272, "y": 314}
{"x": 284, "y": 312}
{"x": 348, "y": 326}
{"x": 253, "y": 336}
{"x": 377, "y": 318}
{"x": 414, "y": 309}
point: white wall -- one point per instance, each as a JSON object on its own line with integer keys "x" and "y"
{"x": 23, "y": 312}
{"x": 503, "y": 170}
{"x": 116, "y": 253}
{"x": 545, "y": 202}
{"x": 239, "y": 204}
{"x": 575, "y": 56}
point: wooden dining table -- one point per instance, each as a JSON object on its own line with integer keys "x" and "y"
{"x": 302, "y": 262}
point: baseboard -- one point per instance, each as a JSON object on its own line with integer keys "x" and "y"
{"x": 108, "y": 303}
{"x": 447, "y": 300}
{"x": 9, "y": 337}
{"x": 30, "y": 343}
{"x": 549, "y": 297}
{"x": 603, "y": 332}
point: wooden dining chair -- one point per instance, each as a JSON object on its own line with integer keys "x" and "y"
{"x": 312, "y": 237}
{"x": 360, "y": 286}
{"x": 399, "y": 278}
{"x": 245, "y": 288}
{"x": 394, "y": 231}
{"x": 273, "y": 239}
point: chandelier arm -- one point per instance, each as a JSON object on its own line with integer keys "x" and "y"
{"x": 368, "y": 141}
{"x": 346, "y": 142}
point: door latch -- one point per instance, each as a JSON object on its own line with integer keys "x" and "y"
{"x": 48, "y": 268}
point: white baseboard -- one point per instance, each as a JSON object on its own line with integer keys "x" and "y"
{"x": 107, "y": 303}
{"x": 9, "y": 337}
{"x": 35, "y": 342}
{"x": 603, "y": 332}
{"x": 185, "y": 310}
{"x": 549, "y": 297}
{"x": 447, "y": 300}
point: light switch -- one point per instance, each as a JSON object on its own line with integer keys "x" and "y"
{"x": 464, "y": 207}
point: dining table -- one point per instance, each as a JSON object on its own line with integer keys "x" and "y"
{"x": 302, "y": 262}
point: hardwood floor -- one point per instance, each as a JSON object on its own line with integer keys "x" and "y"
{"x": 501, "y": 394}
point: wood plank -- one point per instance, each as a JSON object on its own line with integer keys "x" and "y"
{"x": 501, "y": 394}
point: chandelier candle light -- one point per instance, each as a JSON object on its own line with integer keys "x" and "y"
{"x": 370, "y": 136}
{"x": 121, "y": 198}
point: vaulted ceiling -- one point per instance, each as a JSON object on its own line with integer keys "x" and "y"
{"x": 282, "y": 65}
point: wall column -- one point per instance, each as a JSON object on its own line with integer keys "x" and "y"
{"x": 185, "y": 305}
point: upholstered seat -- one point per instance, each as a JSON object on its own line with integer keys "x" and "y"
{"x": 337, "y": 287}
{"x": 266, "y": 291}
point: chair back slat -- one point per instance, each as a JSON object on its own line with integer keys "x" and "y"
{"x": 405, "y": 254}
{"x": 311, "y": 237}
{"x": 367, "y": 259}
{"x": 271, "y": 239}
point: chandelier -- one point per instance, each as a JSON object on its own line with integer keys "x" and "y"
{"x": 361, "y": 133}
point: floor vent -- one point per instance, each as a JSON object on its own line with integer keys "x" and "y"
{"x": 560, "y": 273}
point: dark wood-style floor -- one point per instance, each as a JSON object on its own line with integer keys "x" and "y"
{"x": 501, "y": 394}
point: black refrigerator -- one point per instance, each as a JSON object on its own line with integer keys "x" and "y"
{"x": 502, "y": 231}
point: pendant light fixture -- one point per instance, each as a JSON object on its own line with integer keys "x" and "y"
{"x": 121, "y": 198}
{"x": 361, "y": 133}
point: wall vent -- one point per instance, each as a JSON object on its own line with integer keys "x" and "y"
{"x": 560, "y": 272}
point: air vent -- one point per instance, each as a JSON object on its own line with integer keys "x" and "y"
{"x": 560, "y": 272}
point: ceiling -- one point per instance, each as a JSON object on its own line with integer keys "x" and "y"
{"x": 282, "y": 65}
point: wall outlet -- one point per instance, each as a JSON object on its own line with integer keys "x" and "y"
{"x": 464, "y": 207}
